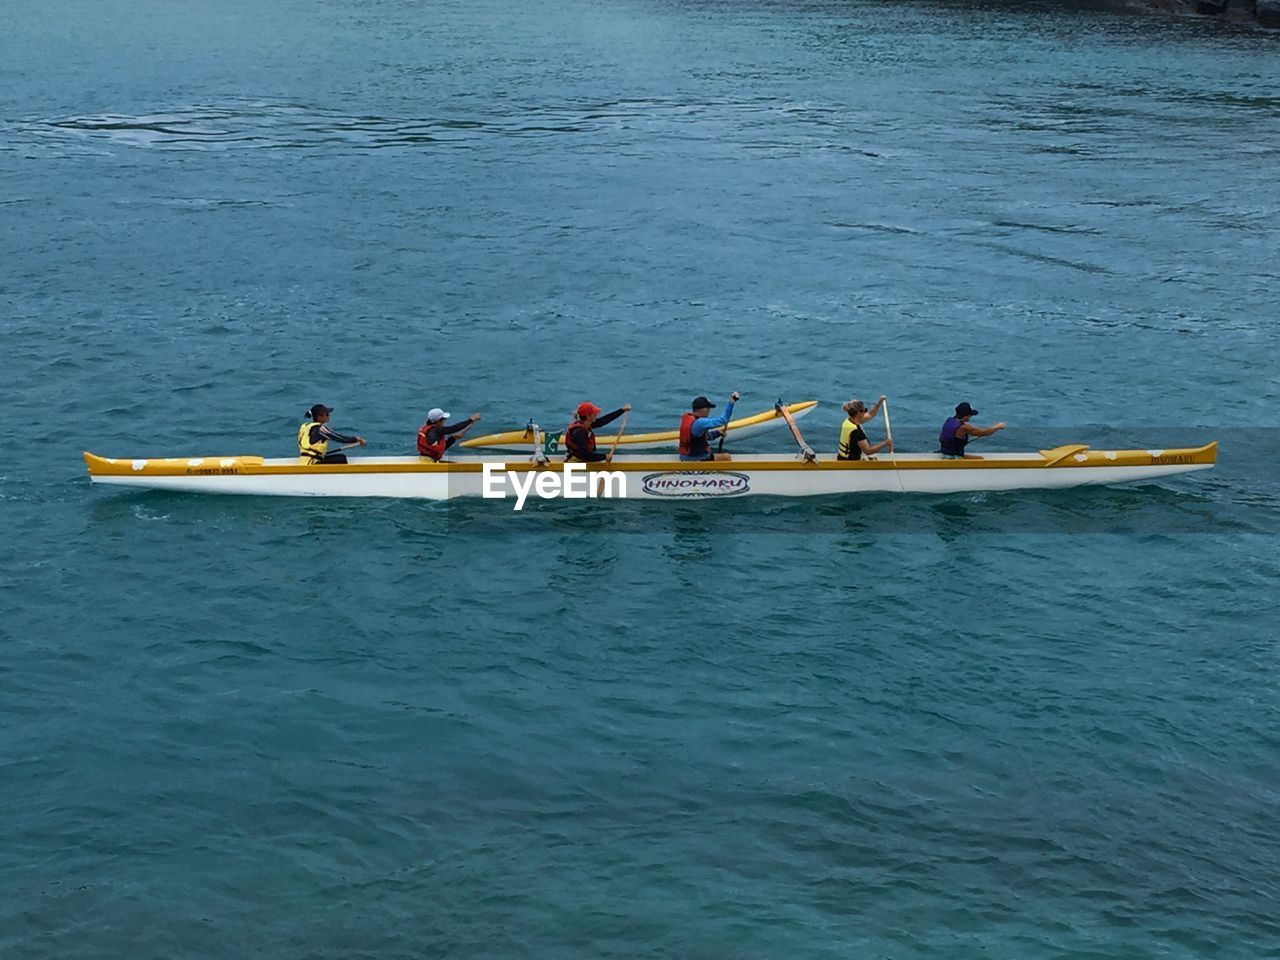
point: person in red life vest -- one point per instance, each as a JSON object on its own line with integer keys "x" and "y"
{"x": 314, "y": 434}
{"x": 957, "y": 431}
{"x": 434, "y": 438}
{"x": 579, "y": 435}
{"x": 698, "y": 428}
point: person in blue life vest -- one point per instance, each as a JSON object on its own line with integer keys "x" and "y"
{"x": 698, "y": 429}
{"x": 580, "y": 437}
{"x": 434, "y": 438}
{"x": 314, "y": 436}
{"x": 958, "y": 431}
{"x": 853, "y": 443}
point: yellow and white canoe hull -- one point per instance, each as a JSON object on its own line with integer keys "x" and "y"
{"x": 740, "y": 429}
{"x": 655, "y": 477}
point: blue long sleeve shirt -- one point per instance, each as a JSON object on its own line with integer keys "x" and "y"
{"x": 712, "y": 426}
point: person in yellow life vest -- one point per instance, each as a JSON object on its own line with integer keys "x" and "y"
{"x": 314, "y": 435}
{"x": 854, "y": 444}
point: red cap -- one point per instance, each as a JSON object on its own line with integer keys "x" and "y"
{"x": 587, "y": 409}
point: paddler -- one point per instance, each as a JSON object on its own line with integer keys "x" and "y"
{"x": 314, "y": 435}
{"x": 579, "y": 435}
{"x": 854, "y": 444}
{"x": 434, "y": 438}
{"x": 698, "y": 428}
{"x": 957, "y": 431}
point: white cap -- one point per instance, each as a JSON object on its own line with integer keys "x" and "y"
{"x": 435, "y": 413}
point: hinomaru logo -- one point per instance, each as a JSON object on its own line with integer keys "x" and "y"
{"x": 573, "y": 482}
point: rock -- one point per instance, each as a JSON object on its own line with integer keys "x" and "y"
{"x": 1269, "y": 13}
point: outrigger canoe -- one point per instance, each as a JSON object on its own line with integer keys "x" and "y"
{"x": 739, "y": 430}
{"x": 653, "y": 477}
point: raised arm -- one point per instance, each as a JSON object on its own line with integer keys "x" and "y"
{"x": 971, "y": 430}
{"x": 339, "y": 437}
{"x": 709, "y": 425}
{"x": 460, "y": 425}
{"x": 608, "y": 418}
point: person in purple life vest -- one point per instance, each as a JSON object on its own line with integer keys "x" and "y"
{"x": 698, "y": 428}
{"x": 958, "y": 431}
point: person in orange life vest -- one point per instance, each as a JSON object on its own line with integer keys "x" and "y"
{"x": 434, "y": 438}
{"x": 314, "y": 435}
{"x": 957, "y": 431}
{"x": 579, "y": 435}
{"x": 698, "y": 428}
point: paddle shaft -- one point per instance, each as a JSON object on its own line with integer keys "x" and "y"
{"x": 893, "y": 456}
{"x": 888, "y": 431}
{"x": 345, "y": 446}
{"x": 612, "y": 449}
{"x": 621, "y": 427}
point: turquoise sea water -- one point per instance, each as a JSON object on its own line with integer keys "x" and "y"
{"x": 951, "y": 727}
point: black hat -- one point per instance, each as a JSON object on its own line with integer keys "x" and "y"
{"x": 700, "y": 402}
{"x": 964, "y": 410}
{"x": 318, "y": 409}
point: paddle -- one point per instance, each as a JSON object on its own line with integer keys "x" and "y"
{"x": 806, "y": 451}
{"x": 888, "y": 431}
{"x": 612, "y": 450}
{"x": 621, "y": 427}
{"x": 316, "y": 461}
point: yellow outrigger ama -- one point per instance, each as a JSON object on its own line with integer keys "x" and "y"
{"x": 739, "y": 429}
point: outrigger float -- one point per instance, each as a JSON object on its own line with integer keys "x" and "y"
{"x": 741, "y": 429}
{"x": 652, "y": 477}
